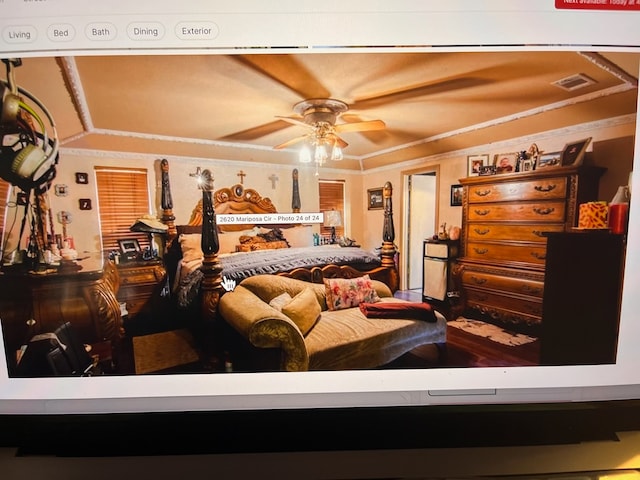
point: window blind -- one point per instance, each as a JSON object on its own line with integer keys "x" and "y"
{"x": 331, "y": 193}
{"x": 123, "y": 197}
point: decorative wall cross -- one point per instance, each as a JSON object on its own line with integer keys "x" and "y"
{"x": 274, "y": 178}
{"x": 241, "y": 174}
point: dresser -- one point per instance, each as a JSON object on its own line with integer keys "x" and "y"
{"x": 83, "y": 294}
{"x": 501, "y": 269}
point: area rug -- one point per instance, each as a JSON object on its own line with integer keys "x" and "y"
{"x": 491, "y": 332}
{"x": 160, "y": 351}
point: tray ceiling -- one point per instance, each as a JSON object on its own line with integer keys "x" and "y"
{"x": 226, "y": 106}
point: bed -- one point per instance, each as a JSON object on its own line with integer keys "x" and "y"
{"x": 205, "y": 259}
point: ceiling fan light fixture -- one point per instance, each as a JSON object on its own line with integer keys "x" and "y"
{"x": 321, "y": 155}
{"x": 336, "y": 153}
{"x": 323, "y": 143}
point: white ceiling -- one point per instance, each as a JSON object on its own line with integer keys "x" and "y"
{"x": 226, "y": 106}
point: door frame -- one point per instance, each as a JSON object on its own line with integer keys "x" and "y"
{"x": 405, "y": 215}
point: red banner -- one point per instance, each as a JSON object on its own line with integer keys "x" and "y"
{"x": 599, "y": 4}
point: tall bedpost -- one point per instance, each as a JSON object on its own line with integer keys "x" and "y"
{"x": 166, "y": 202}
{"x": 295, "y": 198}
{"x": 211, "y": 286}
{"x": 388, "y": 250}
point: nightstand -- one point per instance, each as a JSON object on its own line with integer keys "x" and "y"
{"x": 141, "y": 283}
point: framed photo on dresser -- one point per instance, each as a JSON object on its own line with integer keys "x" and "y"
{"x": 475, "y": 164}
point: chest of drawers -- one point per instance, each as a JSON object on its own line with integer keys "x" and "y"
{"x": 501, "y": 269}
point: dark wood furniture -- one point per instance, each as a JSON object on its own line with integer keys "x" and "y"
{"x": 501, "y": 267}
{"x": 141, "y": 285}
{"x": 35, "y": 303}
{"x": 582, "y": 293}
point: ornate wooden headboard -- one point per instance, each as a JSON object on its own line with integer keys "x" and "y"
{"x": 234, "y": 200}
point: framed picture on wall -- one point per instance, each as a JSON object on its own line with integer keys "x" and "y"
{"x": 456, "y": 195}
{"x": 475, "y": 164}
{"x": 374, "y": 199}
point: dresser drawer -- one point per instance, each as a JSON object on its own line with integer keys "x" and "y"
{"x": 515, "y": 285}
{"x": 525, "y": 211}
{"x": 508, "y": 309}
{"x": 523, "y": 233}
{"x": 141, "y": 275}
{"x": 539, "y": 189}
{"x": 524, "y": 253}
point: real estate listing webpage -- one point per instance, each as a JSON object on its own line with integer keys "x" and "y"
{"x": 235, "y": 208}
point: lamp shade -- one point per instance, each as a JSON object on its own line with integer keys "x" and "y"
{"x": 332, "y": 218}
{"x": 148, "y": 224}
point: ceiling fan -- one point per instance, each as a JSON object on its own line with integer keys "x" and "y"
{"x": 319, "y": 116}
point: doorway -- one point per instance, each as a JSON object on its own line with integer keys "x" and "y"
{"x": 420, "y": 220}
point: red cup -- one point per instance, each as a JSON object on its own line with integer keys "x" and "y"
{"x": 618, "y": 217}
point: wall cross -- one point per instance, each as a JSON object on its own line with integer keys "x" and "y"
{"x": 241, "y": 174}
{"x": 274, "y": 178}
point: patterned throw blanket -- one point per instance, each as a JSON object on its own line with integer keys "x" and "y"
{"x": 239, "y": 266}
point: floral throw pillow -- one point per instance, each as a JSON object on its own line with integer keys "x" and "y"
{"x": 349, "y": 292}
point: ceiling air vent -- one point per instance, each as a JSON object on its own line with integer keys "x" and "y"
{"x": 574, "y": 82}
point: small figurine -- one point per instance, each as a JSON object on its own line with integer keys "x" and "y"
{"x": 442, "y": 234}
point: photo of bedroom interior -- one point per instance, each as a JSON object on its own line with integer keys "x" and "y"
{"x": 402, "y": 209}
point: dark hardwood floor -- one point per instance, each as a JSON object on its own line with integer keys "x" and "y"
{"x": 466, "y": 350}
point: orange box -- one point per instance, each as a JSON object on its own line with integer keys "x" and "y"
{"x": 593, "y": 215}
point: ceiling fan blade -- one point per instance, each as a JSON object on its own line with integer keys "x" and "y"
{"x": 418, "y": 91}
{"x": 341, "y": 143}
{"x": 364, "y": 126}
{"x": 288, "y": 143}
{"x": 258, "y": 132}
{"x": 294, "y": 120}
{"x": 287, "y": 71}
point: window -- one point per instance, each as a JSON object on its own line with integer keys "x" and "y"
{"x": 332, "y": 198}
{"x": 123, "y": 197}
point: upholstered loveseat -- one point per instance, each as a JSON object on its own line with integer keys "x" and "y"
{"x": 295, "y": 320}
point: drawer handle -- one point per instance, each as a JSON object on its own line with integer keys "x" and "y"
{"x": 544, "y": 211}
{"x": 537, "y": 233}
{"x": 482, "y": 212}
{"x": 481, "y": 232}
{"x": 478, "y": 281}
{"x": 539, "y": 256}
{"x": 481, "y": 251}
{"x": 483, "y": 193}
{"x": 547, "y": 188}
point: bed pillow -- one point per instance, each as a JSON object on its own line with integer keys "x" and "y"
{"x": 303, "y": 309}
{"x": 190, "y": 246}
{"x": 273, "y": 235}
{"x": 349, "y": 292}
{"x": 300, "y": 236}
{"x": 229, "y": 240}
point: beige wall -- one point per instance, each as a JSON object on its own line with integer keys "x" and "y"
{"x": 612, "y": 146}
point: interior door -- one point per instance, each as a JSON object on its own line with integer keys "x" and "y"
{"x": 421, "y": 223}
